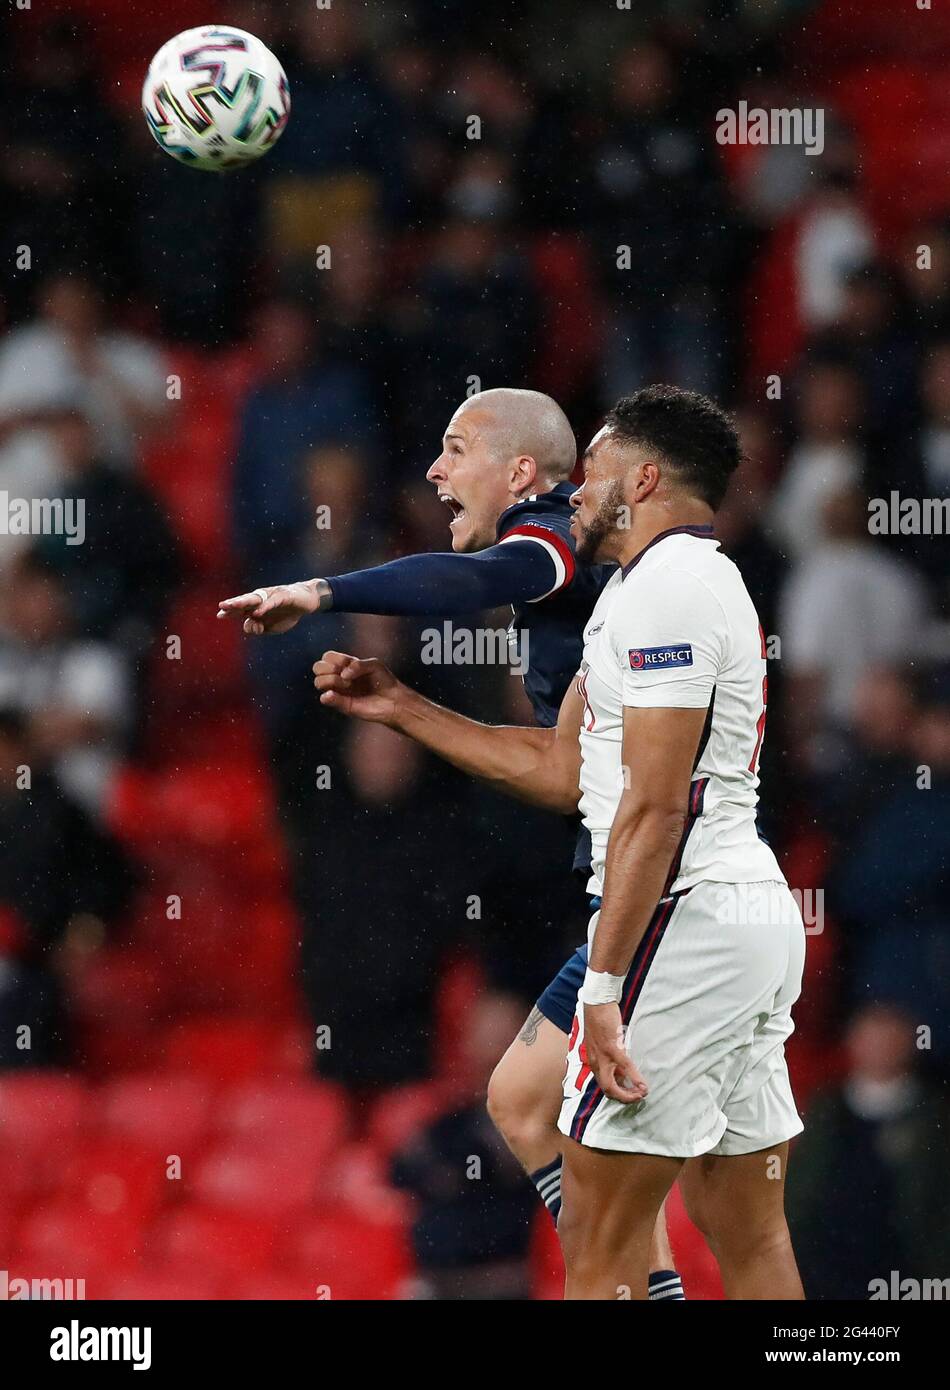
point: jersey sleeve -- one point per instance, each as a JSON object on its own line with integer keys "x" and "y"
{"x": 669, "y": 638}
{"x": 443, "y": 584}
{"x": 555, "y": 542}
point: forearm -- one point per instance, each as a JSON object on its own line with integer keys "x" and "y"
{"x": 442, "y": 584}
{"x": 639, "y": 854}
{"x": 517, "y": 761}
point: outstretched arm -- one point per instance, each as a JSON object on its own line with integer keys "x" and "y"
{"x": 541, "y": 766}
{"x": 436, "y": 585}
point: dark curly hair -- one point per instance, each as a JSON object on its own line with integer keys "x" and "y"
{"x": 690, "y": 432}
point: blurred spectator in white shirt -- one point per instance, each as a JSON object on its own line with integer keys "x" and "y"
{"x": 75, "y": 694}
{"x": 850, "y": 607}
{"x": 69, "y": 350}
{"x": 836, "y": 235}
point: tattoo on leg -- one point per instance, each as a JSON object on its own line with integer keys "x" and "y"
{"x": 529, "y": 1033}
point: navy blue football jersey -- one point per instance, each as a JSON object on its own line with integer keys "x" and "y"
{"x": 552, "y": 626}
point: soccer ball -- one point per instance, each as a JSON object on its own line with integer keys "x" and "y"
{"x": 215, "y": 97}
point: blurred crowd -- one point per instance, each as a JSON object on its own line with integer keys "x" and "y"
{"x": 456, "y": 205}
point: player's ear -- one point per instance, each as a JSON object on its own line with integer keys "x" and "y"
{"x": 524, "y": 475}
{"x": 646, "y": 478}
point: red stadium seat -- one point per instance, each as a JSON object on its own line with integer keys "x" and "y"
{"x": 164, "y": 1285}
{"x": 40, "y": 1111}
{"x": 67, "y": 1235}
{"x": 222, "y": 1048}
{"x": 166, "y": 1113}
{"x": 272, "y": 1184}
{"x": 303, "y": 1116}
{"x": 110, "y": 1176}
{"x": 212, "y": 1240}
{"x": 351, "y": 1257}
{"x": 279, "y": 1286}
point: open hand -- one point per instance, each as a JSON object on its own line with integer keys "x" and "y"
{"x": 272, "y": 610}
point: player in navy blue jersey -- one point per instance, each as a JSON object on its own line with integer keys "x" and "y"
{"x": 504, "y": 472}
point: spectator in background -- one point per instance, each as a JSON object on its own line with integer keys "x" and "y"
{"x": 355, "y": 319}
{"x": 875, "y": 753}
{"x": 919, "y": 466}
{"x": 70, "y": 350}
{"x": 871, "y": 332}
{"x": 848, "y": 608}
{"x": 655, "y": 187}
{"x": 935, "y": 426}
{"x": 410, "y": 70}
{"x": 835, "y": 236}
{"x": 925, "y": 265}
{"x": 866, "y": 1187}
{"x": 29, "y": 469}
{"x": 331, "y": 535}
{"x": 74, "y": 694}
{"x": 62, "y": 880}
{"x": 739, "y": 520}
{"x": 345, "y": 122}
{"x": 473, "y": 1207}
{"x": 121, "y": 578}
{"x": 302, "y": 400}
{"x": 377, "y": 917}
{"x": 890, "y": 886}
{"x": 827, "y": 457}
{"x": 473, "y": 309}
{"x": 62, "y": 158}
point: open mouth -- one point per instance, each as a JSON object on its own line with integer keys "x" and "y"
{"x": 454, "y": 506}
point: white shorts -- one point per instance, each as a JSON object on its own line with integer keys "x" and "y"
{"x": 707, "y": 1007}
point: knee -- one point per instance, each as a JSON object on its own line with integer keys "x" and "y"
{"x": 517, "y": 1115}
{"x": 738, "y": 1240}
{"x": 697, "y": 1209}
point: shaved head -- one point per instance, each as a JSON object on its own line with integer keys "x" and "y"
{"x": 526, "y": 424}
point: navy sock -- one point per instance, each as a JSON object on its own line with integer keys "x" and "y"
{"x": 665, "y": 1286}
{"x": 548, "y": 1182}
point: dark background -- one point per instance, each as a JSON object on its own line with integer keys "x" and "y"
{"x": 187, "y": 902}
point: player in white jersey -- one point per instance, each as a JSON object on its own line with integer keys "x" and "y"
{"x": 676, "y": 1067}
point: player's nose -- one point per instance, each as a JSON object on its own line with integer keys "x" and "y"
{"x": 577, "y": 496}
{"x": 436, "y": 471}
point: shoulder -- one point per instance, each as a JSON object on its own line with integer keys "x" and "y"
{"x": 544, "y": 520}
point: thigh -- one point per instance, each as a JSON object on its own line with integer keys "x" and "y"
{"x": 529, "y": 1074}
{"x": 611, "y": 1202}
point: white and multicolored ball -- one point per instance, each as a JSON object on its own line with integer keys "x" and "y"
{"x": 215, "y": 97}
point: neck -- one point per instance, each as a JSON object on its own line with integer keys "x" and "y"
{"x": 647, "y": 523}
{"x": 537, "y": 489}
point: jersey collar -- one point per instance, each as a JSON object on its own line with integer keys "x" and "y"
{"x": 560, "y": 491}
{"x": 704, "y": 532}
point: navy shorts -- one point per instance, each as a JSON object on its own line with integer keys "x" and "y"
{"x": 559, "y": 1000}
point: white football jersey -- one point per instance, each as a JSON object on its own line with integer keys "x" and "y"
{"x": 676, "y": 629}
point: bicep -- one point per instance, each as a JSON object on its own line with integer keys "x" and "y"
{"x": 660, "y": 747}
